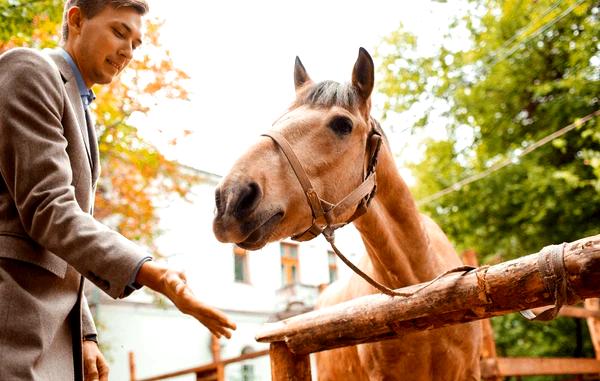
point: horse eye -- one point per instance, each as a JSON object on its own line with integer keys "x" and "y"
{"x": 341, "y": 125}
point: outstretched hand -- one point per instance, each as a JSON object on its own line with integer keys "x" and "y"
{"x": 173, "y": 284}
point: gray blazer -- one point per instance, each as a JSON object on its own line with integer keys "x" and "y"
{"x": 47, "y": 185}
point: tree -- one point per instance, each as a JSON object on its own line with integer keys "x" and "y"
{"x": 529, "y": 68}
{"x": 32, "y": 23}
{"x": 136, "y": 175}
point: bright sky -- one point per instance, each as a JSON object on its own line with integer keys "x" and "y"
{"x": 240, "y": 57}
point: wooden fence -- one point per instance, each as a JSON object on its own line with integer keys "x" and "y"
{"x": 494, "y": 368}
{"x": 457, "y": 298}
{"x": 214, "y": 371}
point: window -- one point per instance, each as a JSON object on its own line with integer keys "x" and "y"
{"x": 333, "y": 273}
{"x": 240, "y": 265}
{"x": 290, "y": 269}
{"x": 247, "y": 369}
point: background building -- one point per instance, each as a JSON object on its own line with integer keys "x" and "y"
{"x": 280, "y": 280}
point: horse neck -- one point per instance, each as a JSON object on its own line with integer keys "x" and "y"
{"x": 393, "y": 231}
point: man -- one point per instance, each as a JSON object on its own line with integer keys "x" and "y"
{"x": 49, "y": 168}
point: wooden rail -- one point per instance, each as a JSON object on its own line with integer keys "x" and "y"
{"x": 494, "y": 368}
{"x": 529, "y": 366}
{"x": 454, "y": 299}
{"x": 205, "y": 372}
{"x": 486, "y": 292}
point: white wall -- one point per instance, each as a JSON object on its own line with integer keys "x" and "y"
{"x": 165, "y": 340}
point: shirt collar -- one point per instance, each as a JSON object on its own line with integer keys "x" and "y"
{"x": 87, "y": 95}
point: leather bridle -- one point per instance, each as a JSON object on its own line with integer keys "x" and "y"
{"x": 324, "y": 213}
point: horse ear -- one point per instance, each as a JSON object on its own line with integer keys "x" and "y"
{"x": 363, "y": 75}
{"x": 300, "y": 75}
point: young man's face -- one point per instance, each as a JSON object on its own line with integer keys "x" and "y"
{"x": 103, "y": 45}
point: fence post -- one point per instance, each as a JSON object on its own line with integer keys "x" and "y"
{"x": 287, "y": 366}
{"x": 131, "y": 366}
{"x": 215, "y": 348}
{"x": 593, "y": 304}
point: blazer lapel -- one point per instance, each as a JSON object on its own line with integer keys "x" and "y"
{"x": 74, "y": 96}
{"x": 91, "y": 122}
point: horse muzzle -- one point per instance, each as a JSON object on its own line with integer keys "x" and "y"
{"x": 239, "y": 218}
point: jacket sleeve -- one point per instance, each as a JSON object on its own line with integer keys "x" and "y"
{"x": 37, "y": 171}
{"x": 88, "y": 328}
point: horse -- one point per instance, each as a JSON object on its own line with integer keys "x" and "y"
{"x": 264, "y": 198}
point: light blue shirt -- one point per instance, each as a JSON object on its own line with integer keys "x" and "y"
{"x": 87, "y": 95}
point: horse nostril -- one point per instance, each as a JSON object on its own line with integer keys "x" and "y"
{"x": 248, "y": 198}
{"x": 218, "y": 203}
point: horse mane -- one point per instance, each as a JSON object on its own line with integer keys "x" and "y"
{"x": 329, "y": 94}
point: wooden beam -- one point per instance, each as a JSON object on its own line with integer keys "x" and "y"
{"x": 206, "y": 376}
{"x": 470, "y": 258}
{"x": 198, "y": 371}
{"x": 286, "y": 366}
{"x": 574, "y": 312}
{"x": 488, "y": 345}
{"x": 457, "y": 298}
{"x": 131, "y": 366}
{"x": 208, "y": 367}
{"x": 215, "y": 348}
{"x": 247, "y": 356}
{"x": 525, "y": 366}
{"x": 593, "y": 305}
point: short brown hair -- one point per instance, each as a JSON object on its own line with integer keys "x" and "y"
{"x": 90, "y": 8}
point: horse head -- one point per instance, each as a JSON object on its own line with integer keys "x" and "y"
{"x": 327, "y": 131}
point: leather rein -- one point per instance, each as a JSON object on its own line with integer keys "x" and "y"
{"x": 324, "y": 213}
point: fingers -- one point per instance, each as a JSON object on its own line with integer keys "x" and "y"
{"x": 95, "y": 366}
{"x": 102, "y": 368}
{"x": 216, "y": 321}
{"x": 219, "y": 332}
{"x": 216, "y": 316}
{"x": 183, "y": 276}
{"x": 213, "y": 316}
{"x": 182, "y": 296}
{"x": 91, "y": 371}
{"x": 217, "y": 329}
{"x": 217, "y": 326}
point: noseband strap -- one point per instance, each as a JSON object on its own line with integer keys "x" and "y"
{"x": 325, "y": 213}
{"x": 314, "y": 201}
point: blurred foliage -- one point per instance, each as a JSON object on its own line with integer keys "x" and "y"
{"x": 505, "y": 75}
{"x": 135, "y": 176}
{"x": 30, "y": 23}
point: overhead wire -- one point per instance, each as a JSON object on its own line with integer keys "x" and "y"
{"x": 458, "y": 185}
{"x": 510, "y": 160}
{"x": 521, "y": 31}
{"x": 537, "y": 32}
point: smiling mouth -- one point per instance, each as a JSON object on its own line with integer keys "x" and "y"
{"x": 117, "y": 67}
{"x": 260, "y": 236}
